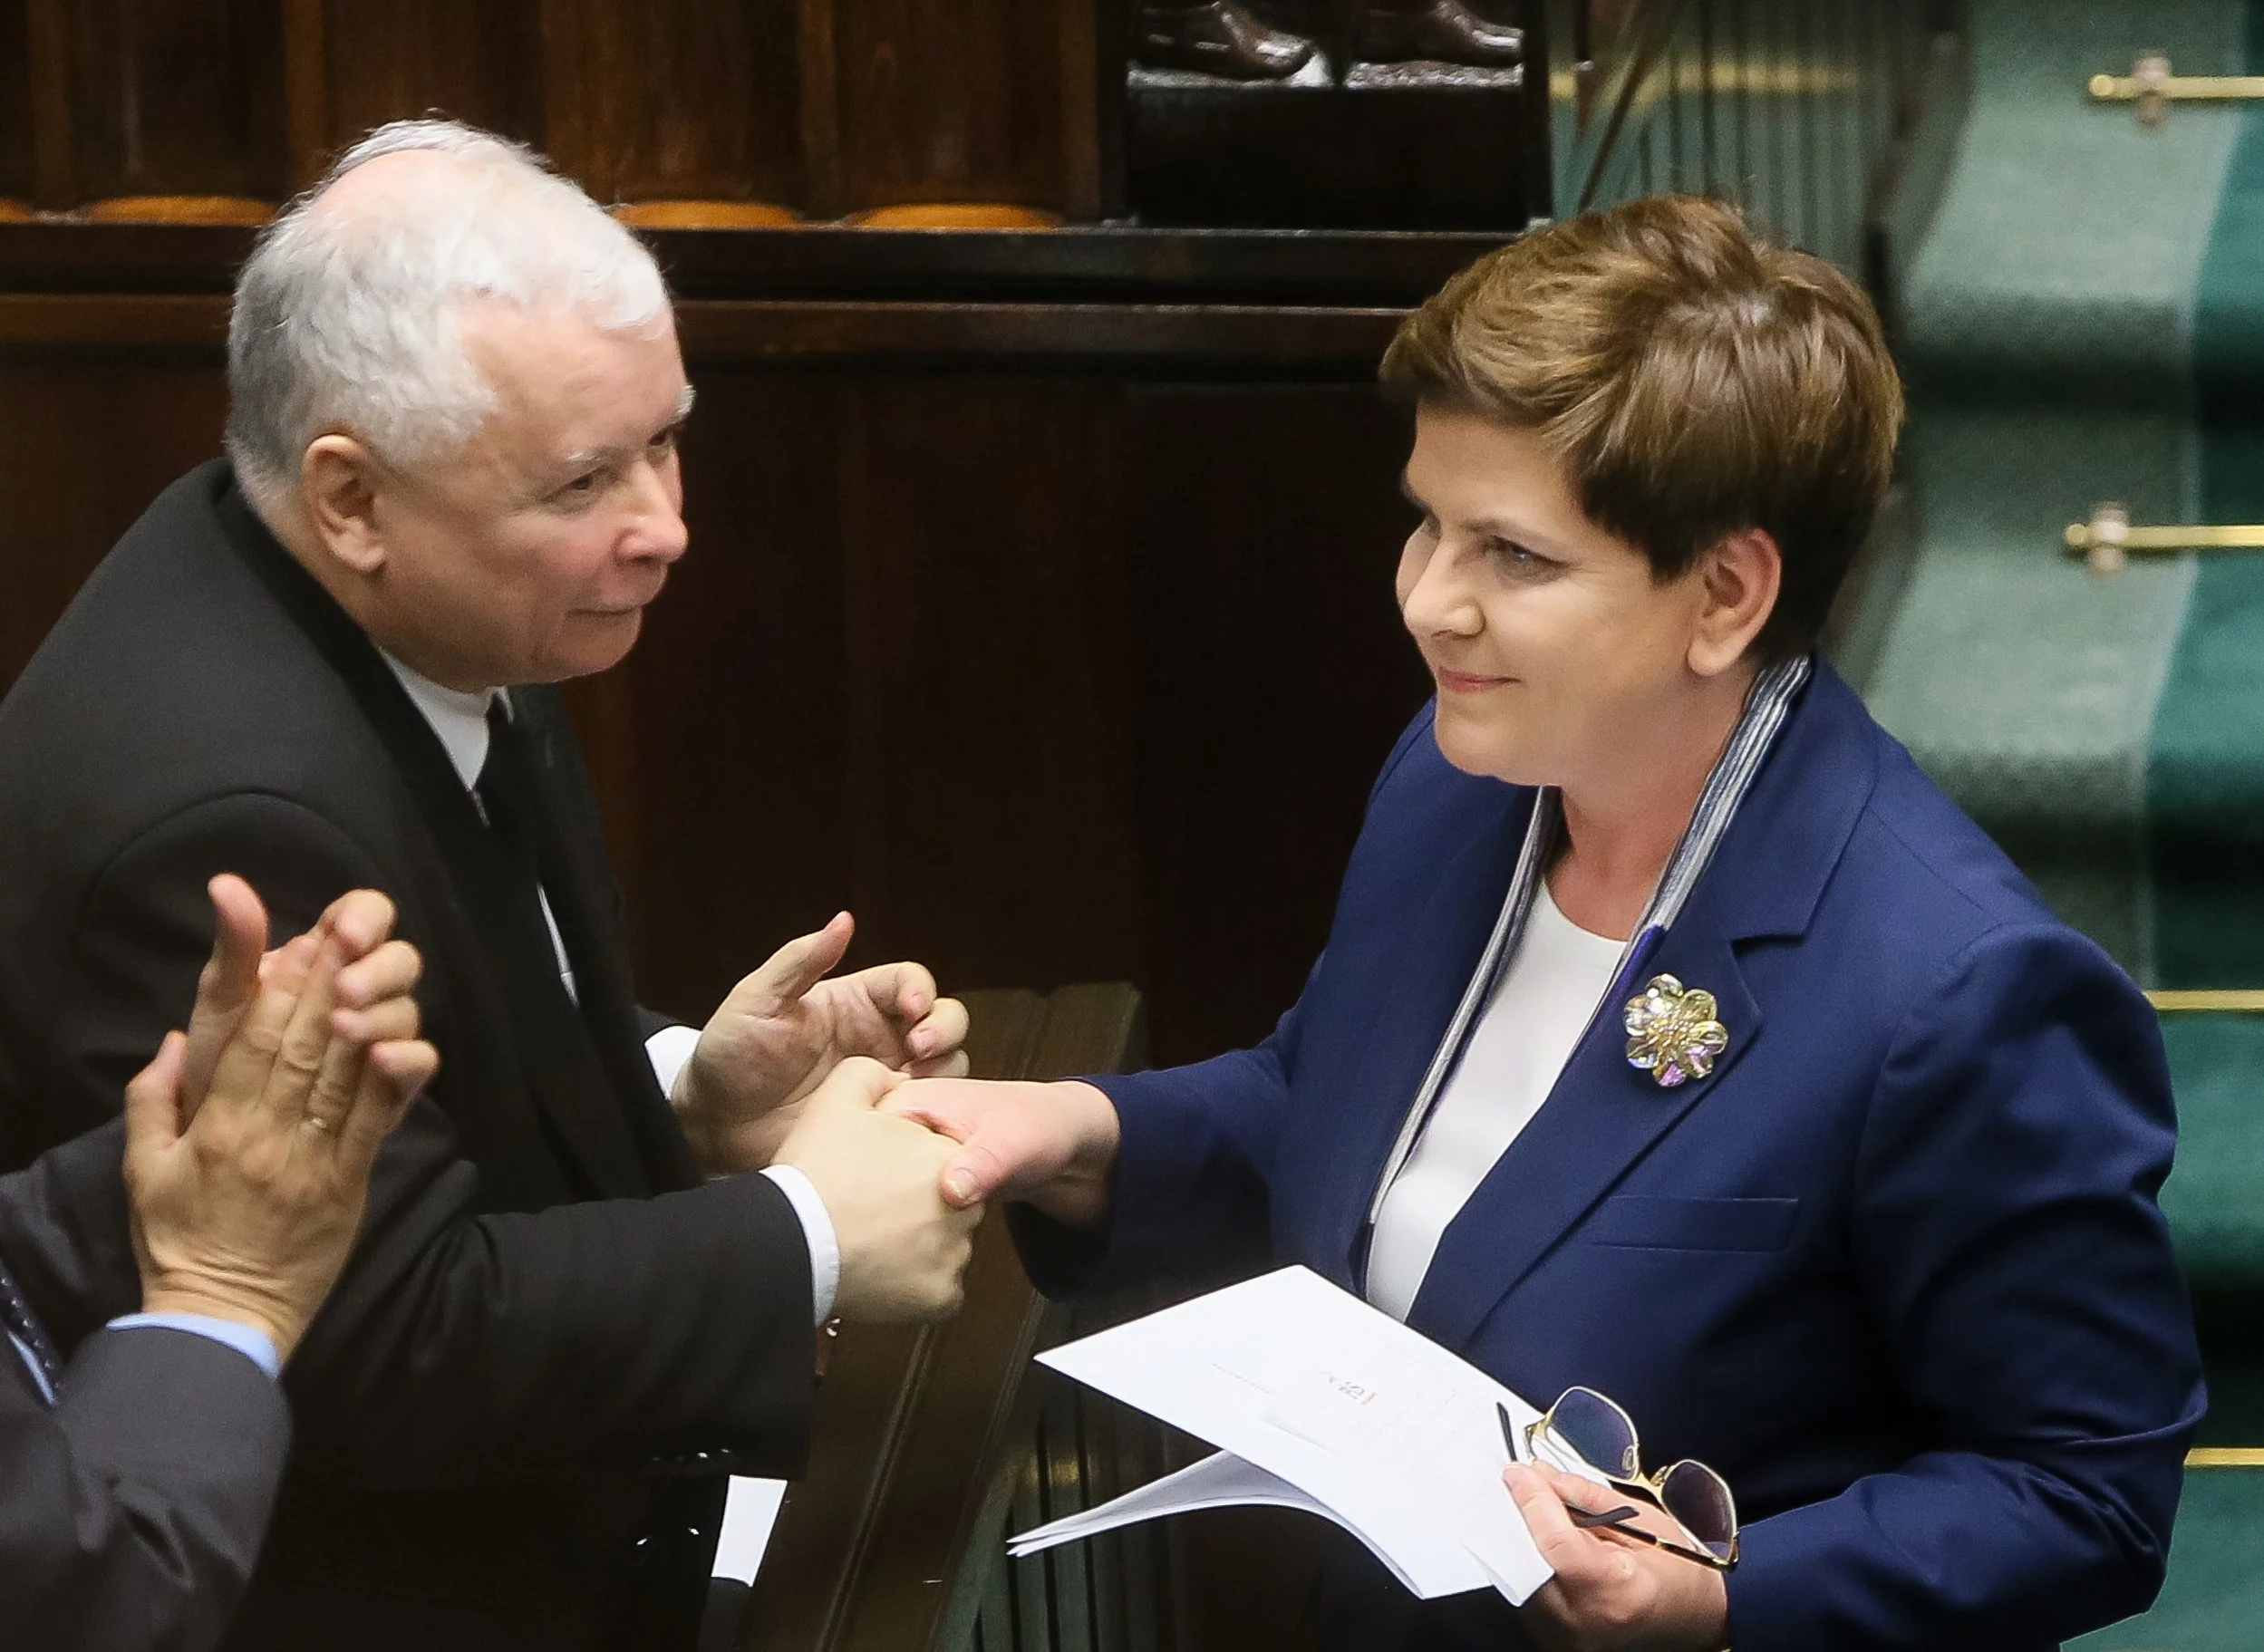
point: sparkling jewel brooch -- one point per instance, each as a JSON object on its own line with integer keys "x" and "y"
{"x": 1671, "y": 1032}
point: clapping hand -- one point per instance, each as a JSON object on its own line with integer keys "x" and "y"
{"x": 249, "y": 1139}
{"x": 790, "y": 1024}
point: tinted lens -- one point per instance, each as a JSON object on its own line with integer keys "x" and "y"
{"x": 1596, "y": 1430}
{"x": 1700, "y": 1498}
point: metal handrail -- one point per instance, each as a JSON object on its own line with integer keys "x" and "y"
{"x": 2153, "y": 88}
{"x": 2108, "y": 540}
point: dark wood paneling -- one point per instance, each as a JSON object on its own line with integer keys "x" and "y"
{"x": 176, "y": 97}
{"x": 17, "y": 178}
{"x": 86, "y": 441}
{"x": 389, "y": 60}
{"x": 1266, "y": 269}
{"x": 1274, "y": 676}
{"x": 674, "y": 98}
{"x": 740, "y": 764}
{"x": 959, "y": 102}
{"x": 989, "y": 726}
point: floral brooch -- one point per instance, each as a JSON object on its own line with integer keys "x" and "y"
{"x": 1671, "y": 1032}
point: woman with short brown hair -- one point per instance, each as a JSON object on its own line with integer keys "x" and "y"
{"x": 1677, "y": 1044}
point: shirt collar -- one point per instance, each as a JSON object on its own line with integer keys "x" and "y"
{"x": 459, "y": 719}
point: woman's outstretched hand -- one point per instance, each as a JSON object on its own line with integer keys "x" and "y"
{"x": 1050, "y": 1144}
{"x": 1611, "y": 1593}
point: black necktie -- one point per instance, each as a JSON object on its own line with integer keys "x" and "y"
{"x": 15, "y": 1316}
{"x": 505, "y": 797}
{"x": 561, "y": 1059}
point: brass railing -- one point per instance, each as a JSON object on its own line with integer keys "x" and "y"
{"x": 2152, "y": 88}
{"x": 2109, "y": 540}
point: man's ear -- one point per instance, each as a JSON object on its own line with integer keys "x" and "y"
{"x": 338, "y": 479}
{"x": 1739, "y": 577}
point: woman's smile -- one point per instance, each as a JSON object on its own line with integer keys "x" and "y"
{"x": 1467, "y": 682}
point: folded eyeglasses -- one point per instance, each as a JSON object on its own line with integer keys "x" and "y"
{"x": 1586, "y": 1434}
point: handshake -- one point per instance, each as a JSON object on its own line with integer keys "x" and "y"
{"x": 906, "y": 1164}
{"x": 858, "y": 1083}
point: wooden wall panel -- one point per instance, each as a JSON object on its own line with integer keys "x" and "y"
{"x": 388, "y": 60}
{"x": 1266, "y": 522}
{"x": 18, "y": 180}
{"x": 890, "y": 676}
{"x": 960, "y": 102}
{"x": 87, "y": 440}
{"x": 990, "y": 719}
{"x": 674, "y": 98}
{"x": 741, "y": 835}
{"x": 175, "y": 97}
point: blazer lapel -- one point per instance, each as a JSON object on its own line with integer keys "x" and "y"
{"x": 1601, "y": 1118}
{"x": 1443, "y": 950}
{"x": 1603, "y": 1115}
{"x": 579, "y": 881}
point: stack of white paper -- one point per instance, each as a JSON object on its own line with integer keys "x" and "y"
{"x": 1320, "y": 1403}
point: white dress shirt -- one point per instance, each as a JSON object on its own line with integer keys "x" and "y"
{"x": 461, "y": 721}
{"x": 1526, "y": 1033}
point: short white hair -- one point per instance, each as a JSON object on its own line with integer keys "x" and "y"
{"x": 351, "y": 322}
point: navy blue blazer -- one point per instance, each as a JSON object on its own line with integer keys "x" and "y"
{"x": 1896, "y": 1268}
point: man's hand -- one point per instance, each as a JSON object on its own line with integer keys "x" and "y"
{"x": 246, "y": 1208}
{"x": 785, "y": 1028}
{"x": 240, "y": 964}
{"x": 1612, "y": 1594}
{"x": 1053, "y": 1145}
{"x": 903, "y": 1249}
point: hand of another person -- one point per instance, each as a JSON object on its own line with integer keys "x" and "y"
{"x": 1611, "y": 1593}
{"x": 786, "y": 1026}
{"x": 245, "y": 1200}
{"x": 904, "y": 1251}
{"x": 1053, "y": 1145}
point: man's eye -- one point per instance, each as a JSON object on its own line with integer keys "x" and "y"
{"x": 664, "y": 443}
{"x": 584, "y": 485}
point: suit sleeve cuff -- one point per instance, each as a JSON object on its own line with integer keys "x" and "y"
{"x": 254, "y": 1345}
{"x": 824, "y": 1247}
{"x": 668, "y": 1049}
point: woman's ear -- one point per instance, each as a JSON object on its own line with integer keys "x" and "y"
{"x": 338, "y": 485}
{"x": 1739, "y": 577}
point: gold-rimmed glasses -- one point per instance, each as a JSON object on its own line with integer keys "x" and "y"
{"x": 1584, "y": 1433}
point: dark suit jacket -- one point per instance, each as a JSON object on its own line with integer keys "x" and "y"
{"x": 552, "y": 1341}
{"x": 1896, "y": 1268}
{"x": 132, "y": 1511}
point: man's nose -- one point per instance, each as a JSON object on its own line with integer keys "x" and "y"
{"x": 659, "y": 534}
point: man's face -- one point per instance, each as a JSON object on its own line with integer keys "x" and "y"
{"x": 1553, "y": 646}
{"x": 530, "y": 556}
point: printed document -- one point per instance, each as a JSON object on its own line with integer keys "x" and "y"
{"x": 1320, "y": 1402}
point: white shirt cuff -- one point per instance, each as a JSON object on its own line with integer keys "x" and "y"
{"x": 668, "y": 1049}
{"x": 825, "y": 1249}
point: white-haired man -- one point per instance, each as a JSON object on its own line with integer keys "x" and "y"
{"x": 455, "y": 392}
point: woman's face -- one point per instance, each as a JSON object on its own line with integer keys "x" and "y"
{"x": 1556, "y": 654}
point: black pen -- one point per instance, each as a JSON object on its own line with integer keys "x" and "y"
{"x": 1509, "y": 1430}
